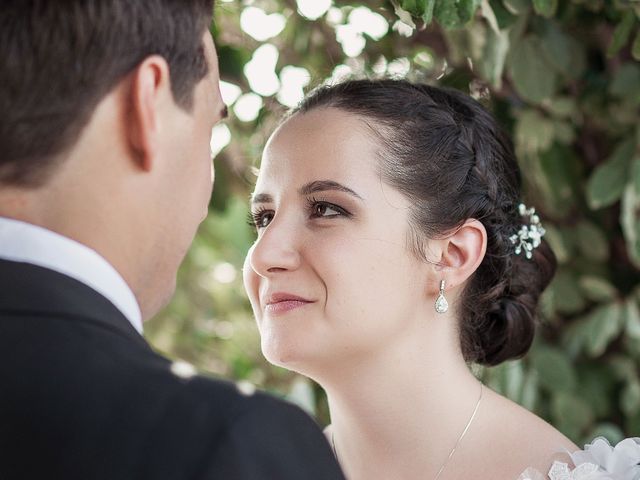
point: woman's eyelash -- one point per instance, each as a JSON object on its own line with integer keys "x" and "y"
{"x": 254, "y": 218}
{"x": 251, "y": 219}
{"x": 314, "y": 202}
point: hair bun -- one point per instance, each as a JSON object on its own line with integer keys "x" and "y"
{"x": 506, "y": 330}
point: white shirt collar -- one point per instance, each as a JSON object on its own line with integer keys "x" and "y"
{"x": 27, "y": 243}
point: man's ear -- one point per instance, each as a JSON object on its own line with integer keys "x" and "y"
{"x": 461, "y": 253}
{"x": 150, "y": 89}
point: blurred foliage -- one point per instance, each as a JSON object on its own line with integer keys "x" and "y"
{"x": 564, "y": 78}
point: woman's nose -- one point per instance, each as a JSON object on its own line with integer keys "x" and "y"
{"x": 275, "y": 250}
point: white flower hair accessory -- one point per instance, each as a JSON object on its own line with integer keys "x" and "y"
{"x": 529, "y": 236}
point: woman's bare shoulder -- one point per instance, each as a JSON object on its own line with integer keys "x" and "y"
{"x": 521, "y": 439}
{"x": 527, "y": 424}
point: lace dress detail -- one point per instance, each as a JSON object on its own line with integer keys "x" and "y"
{"x": 598, "y": 461}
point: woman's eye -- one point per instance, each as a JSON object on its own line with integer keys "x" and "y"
{"x": 261, "y": 219}
{"x": 323, "y": 209}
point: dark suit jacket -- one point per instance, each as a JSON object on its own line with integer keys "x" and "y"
{"x": 83, "y": 396}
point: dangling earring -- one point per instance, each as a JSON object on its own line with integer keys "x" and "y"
{"x": 441, "y": 303}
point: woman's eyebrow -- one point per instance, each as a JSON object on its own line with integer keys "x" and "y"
{"x": 309, "y": 188}
{"x": 325, "y": 185}
{"x": 261, "y": 198}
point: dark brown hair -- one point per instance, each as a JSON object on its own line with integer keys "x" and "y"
{"x": 446, "y": 153}
{"x": 58, "y": 58}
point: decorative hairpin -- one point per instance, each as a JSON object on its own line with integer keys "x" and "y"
{"x": 529, "y": 236}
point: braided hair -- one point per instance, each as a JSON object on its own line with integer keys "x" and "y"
{"x": 446, "y": 153}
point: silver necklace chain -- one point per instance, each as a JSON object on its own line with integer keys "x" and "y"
{"x": 453, "y": 450}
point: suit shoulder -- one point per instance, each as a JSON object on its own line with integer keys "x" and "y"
{"x": 230, "y": 431}
{"x": 271, "y": 438}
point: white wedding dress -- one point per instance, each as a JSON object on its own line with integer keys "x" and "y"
{"x": 598, "y": 461}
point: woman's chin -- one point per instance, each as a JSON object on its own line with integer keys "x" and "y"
{"x": 281, "y": 355}
{"x": 288, "y": 355}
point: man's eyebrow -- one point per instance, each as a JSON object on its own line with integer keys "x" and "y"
{"x": 325, "y": 185}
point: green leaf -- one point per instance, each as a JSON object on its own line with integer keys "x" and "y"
{"x": 564, "y": 132}
{"x": 534, "y": 133}
{"x": 623, "y": 368}
{"x": 507, "y": 378}
{"x": 232, "y": 61}
{"x": 446, "y": 14}
{"x": 567, "y": 297}
{"x": 427, "y": 16}
{"x": 635, "y": 173}
{"x": 494, "y": 56}
{"x": 529, "y": 397}
{"x": 578, "y": 63}
{"x": 597, "y": 289}
{"x": 455, "y": 13}
{"x": 621, "y": 33}
{"x": 517, "y": 7}
{"x": 630, "y": 398}
{"x": 626, "y": 82}
{"x": 632, "y": 424}
{"x": 414, "y": 7}
{"x": 533, "y": 79}
{"x": 604, "y": 324}
{"x": 504, "y": 18}
{"x": 518, "y": 28}
{"x": 467, "y": 9}
{"x": 559, "y": 185}
{"x": 403, "y": 15}
{"x": 562, "y": 107}
{"x": 592, "y": 241}
{"x": 410, "y": 6}
{"x": 630, "y": 221}
{"x": 635, "y": 47}
{"x": 632, "y": 319}
{"x": 546, "y": 8}
{"x": 566, "y": 55}
{"x": 571, "y": 414}
{"x": 514, "y": 380}
{"x": 486, "y": 11}
{"x": 555, "y": 373}
{"x": 560, "y": 245}
{"x": 608, "y": 180}
{"x": 596, "y": 385}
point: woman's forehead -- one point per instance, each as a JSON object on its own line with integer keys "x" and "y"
{"x": 324, "y": 139}
{"x": 322, "y": 128}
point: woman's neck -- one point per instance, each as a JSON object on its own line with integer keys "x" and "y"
{"x": 399, "y": 413}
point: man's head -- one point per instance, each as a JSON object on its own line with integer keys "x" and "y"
{"x": 107, "y": 110}
{"x": 59, "y": 58}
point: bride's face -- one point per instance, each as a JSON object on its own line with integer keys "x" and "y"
{"x": 331, "y": 276}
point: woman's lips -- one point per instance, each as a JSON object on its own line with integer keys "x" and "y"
{"x": 279, "y": 303}
{"x": 284, "y": 306}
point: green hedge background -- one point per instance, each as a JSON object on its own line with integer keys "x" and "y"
{"x": 563, "y": 76}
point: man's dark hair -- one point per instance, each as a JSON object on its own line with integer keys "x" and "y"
{"x": 59, "y": 58}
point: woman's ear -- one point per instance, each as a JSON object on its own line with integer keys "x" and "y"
{"x": 461, "y": 253}
{"x": 150, "y": 88}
